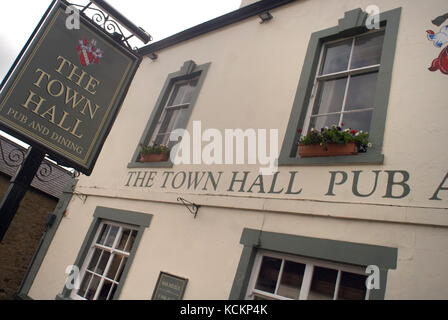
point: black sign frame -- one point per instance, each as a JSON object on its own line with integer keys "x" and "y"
{"x": 87, "y": 164}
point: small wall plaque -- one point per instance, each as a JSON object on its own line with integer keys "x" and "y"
{"x": 169, "y": 287}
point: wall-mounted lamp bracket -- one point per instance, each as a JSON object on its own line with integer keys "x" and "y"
{"x": 265, "y": 16}
{"x": 153, "y": 56}
{"x": 192, "y": 207}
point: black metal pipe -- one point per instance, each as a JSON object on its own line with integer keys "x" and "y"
{"x": 136, "y": 31}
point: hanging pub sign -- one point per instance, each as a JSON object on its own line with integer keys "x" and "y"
{"x": 66, "y": 89}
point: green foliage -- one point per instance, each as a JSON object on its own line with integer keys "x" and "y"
{"x": 154, "y": 149}
{"x": 336, "y": 135}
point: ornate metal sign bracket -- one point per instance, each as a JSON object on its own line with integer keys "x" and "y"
{"x": 112, "y": 22}
{"x": 192, "y": 207}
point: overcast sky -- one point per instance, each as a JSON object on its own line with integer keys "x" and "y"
{"x": 160, "y": 18}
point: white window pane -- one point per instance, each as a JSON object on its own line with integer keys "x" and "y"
{"x": 352, "y": 286}
{"x": 112, "y": 272}
{"x": 111, "y": 237}
{"x": 94, "y": 261}
{"x": 103, "y": 234}
{"x": 336, "y": 56}
{"x": 131, "y": 241}
{"x": 168, "y": 121}
{"x": 112, "y": 292}
{"x": 177, "y": 95}
{"x": 120, "y": 272}
{"x": 330, "y": 96}
{"x": 267, "y": 278}
{"x": 190, "y": 90}
{"x": 90, "y": 294}
{"x": 162, "y": 139}
{"x": 361, "y": 91}
{"x": 323, "y": 284}
{"x": 291, "y": 280}
{"x": 367, "y": 50}
{"x": 85, "y": 284}
{"x": 123, "y": 239}
{"x": 358, "y": 120}
{"x": 181, "y": 116}
{"x": 324, "y": 121}
{"x": 103, "y": 262}
{"x": 105, "y": 289}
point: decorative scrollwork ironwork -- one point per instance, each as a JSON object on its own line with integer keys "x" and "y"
{"x": 14, "y": 158}
{"x": 105, "y": 22}
{"x": 45, "y": 171}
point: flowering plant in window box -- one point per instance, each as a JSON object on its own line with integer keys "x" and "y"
{"x": 154, "y": 153}
{"x": 333, "y": 141}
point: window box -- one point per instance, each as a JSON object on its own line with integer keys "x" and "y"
{"x": 153, "y": 157}
{"x": 331, "y": 149}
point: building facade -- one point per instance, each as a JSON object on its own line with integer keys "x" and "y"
{"x": 218, "y": 223}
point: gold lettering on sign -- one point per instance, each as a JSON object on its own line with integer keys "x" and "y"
{"x": 77, "y": 77}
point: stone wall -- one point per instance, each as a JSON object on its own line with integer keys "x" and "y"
{"x": 22, "y": 238}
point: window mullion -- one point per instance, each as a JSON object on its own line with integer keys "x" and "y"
{"x": 345, "y": 100}
{"x": 348, "y": 82}
{"x": 313, "y": 93}
{"x": 367, "y": 294}
{"x": 336, "y": 288}
{"x": 253, "y": 280}
{"x": 306, "y": 283}
{"x": 88, "y": 286}
{"x": 280, "y": 273}
{"x": 98, "y": 289}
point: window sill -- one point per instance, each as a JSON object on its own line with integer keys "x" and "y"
{"x": 164, "y": 164}
{"x": 365, "y": 158}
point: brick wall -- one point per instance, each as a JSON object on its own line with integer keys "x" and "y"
{"x": 22, "y": 238}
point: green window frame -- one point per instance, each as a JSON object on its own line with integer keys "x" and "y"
{"x": 140, "y": 221}
{"x": 188, "y": 71}
{"x": 352, "y": 24}
{"x": 351, "y": 253}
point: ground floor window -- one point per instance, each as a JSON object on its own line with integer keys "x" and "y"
{"x": 104, "y": 264}
{"x": 287, "y": 277}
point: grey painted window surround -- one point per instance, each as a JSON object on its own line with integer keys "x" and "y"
{"x": 141, "y": 220}
{"x": 188, "y": 71}
{"x": 352, "y": 24}
{"x": 330, "y": 250}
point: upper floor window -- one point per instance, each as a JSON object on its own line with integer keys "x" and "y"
{"x": 175, "y": 110}
{"x": 345, "y": 81}
{"x": 172, "y": 111}
{"x": 345, "y": 85}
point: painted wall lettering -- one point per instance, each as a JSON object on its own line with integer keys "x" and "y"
{"x": 401, "y": 184}
{"x": 440, "y": 188}
{"x": 362, "y": 184}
